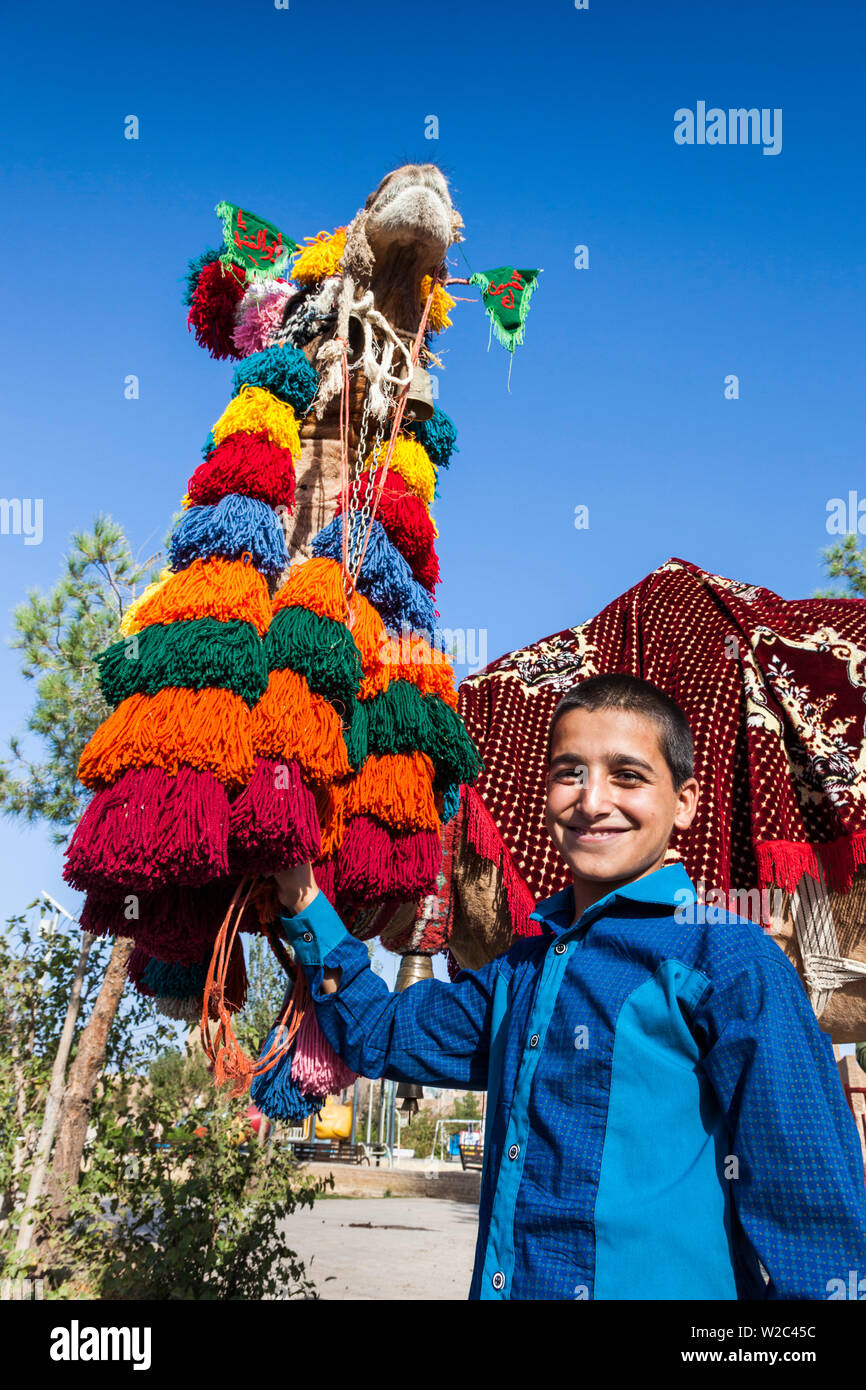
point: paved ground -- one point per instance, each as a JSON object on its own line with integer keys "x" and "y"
{"x": 376, "y": 1248}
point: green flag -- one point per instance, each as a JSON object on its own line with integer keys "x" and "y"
{"x": 255, "y": 245}
{"x": 506, "y": 293}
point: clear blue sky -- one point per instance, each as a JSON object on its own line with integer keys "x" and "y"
{"x": 556, "y": 129}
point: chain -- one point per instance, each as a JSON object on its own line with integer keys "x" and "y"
{"x": 359, "y": 519}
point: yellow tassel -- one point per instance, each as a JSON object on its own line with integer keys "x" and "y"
{"x": 438, "y": 318}
{"x": 320, "y": 257}
{"x": 214, "y": 588}
{"x": 129, "y": 622}
{"x": 186, "y": 501}
{"x": 253, "y": 411}
{"x": 412, "y": 462}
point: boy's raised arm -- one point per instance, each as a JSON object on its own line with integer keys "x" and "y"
{"x": 797, "y": 1184}
{"x": 434, "y": 1033}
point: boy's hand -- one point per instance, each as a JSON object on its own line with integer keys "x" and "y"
{"x": 296, "y": 887}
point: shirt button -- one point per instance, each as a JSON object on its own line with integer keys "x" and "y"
{"x": 560, "y": 947}
{"x": 307, "y": 936}
{"x": 514, "y": 1151}
{"x": 498, "y": 1280}
{"x": 533, "y": 1041}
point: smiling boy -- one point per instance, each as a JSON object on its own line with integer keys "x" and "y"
{"x": 664, "y": 1112}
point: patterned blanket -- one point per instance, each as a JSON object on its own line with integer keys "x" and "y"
{"x": 774, "y": 692}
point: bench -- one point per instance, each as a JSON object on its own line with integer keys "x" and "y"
{"x": 329, "y": 1151}
{"x": 472, "y": 1156}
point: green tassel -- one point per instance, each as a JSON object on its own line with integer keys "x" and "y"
{"x": 402, "y": 720}
{"x": 319, "y": 648}
{"x": 194, "y": 653}
{"x": 355, "y": 735}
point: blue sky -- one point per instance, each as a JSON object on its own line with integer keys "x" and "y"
{"x": 556, "y": 130}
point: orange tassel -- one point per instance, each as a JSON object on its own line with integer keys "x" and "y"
{"x": 396, "y": 788}
{"x": 429, "y": 670}
{"x": 209, "y": 730}
{"x": 290, "y": 722}
{"x": 315, "y": 584}
{"x": 215, "y": 588}
{"x": 331, "y": 806}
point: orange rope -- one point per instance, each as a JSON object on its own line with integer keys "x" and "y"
{"x": 230, "y": 1062}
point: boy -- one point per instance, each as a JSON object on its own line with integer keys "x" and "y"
{"x": 663, "y": 1110}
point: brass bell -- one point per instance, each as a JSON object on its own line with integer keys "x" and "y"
{"x": 414, "y": 966}
{"x": 419, "y": 401}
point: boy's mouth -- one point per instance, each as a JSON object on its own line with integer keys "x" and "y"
{"x": 590, "y": 836}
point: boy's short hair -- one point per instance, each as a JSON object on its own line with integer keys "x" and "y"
{"x": 619, "y": 691}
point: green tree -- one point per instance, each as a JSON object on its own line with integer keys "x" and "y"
{"x": 844, "y": 561}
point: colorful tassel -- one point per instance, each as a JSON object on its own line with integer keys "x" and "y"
{"x": 218, "y": 292}
{"x": 149, "y": 828}
{"x": 398, "y": 790}
{"x": 283, "y": 371}
{"x": 413, "y": 464}
{"x": 208, "y": 730}
{"x": 273, "y": 824}
{"x": 437, "y": 319}
{"x": 320, "y": 649}
{"x": 409, "y": 657}
{"x": 177, "y": 923}
{"x": 255, "y": 411}
{"x": 194, "y": 270}
{"x": 385, "y": 579}
{"x": 438, "y": 435}
{"x": 316, "y": 1068}
{"x": 407, "y": 524}
{"x": 231, "y": 527}
{"x": 275, "y": 1092}
{"x": 320, "y": 258}
{"x": 249, "y": 464}
{"x": 260, "y": 314}
{"x": 129, "y": 622}
{"x": 197, "y": 653}
{"x": 375, "y": 861}
{"x": 224, "y": 589}
{"x": 290, "y": 723}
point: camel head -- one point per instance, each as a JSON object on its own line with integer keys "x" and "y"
{"x": 409, "y": 222}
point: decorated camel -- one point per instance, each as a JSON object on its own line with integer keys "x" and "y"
{"x": 276, "y": 696}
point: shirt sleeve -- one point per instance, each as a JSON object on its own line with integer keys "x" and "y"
{"x": 798, "y": 1185}
{"x": 434, "y": 1033}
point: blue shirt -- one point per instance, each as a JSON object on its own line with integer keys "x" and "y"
{"x": 663, "y": 1109}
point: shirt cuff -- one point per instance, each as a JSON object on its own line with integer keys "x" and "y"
{"x": 314, "y": 932}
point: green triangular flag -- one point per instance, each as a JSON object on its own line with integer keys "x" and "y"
{"x": 506, "y": 293}
{"x": 257, "y": 246}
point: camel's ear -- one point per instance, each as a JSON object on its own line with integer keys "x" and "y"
{"x": 457, "y": 224}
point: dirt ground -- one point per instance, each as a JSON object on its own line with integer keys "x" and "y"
{"x": 378, "y": 1248}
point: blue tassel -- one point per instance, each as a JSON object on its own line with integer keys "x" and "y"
{"x": 277, "y": 1095}
{"x": 385, "y": 578}
{"x": 450, "y": 802}
{"x": 194, "y": 270}
{"x": 208, "y": 446}
{"x": 282, "y": 370}
{"x": 228, "y": 528}
{"x": 438, "y": 435}
{"x": 177, "y": 981}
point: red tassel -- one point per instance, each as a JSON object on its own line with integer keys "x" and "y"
{"x": 374, "y": 862}
{"x": 149, "y": 828}
{"x": 273, "y": 824}
{"x": 249, "y": 464}
{"x": 218, "y": 291}
{"x": 177, "y": 924}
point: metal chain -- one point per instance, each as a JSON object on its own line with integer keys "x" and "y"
{"x": 359, "y": 519}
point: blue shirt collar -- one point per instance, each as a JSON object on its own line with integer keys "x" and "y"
{"x": 669, "y": 886}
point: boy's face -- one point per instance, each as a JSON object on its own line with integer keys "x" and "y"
{"x": 611, "y": 805}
